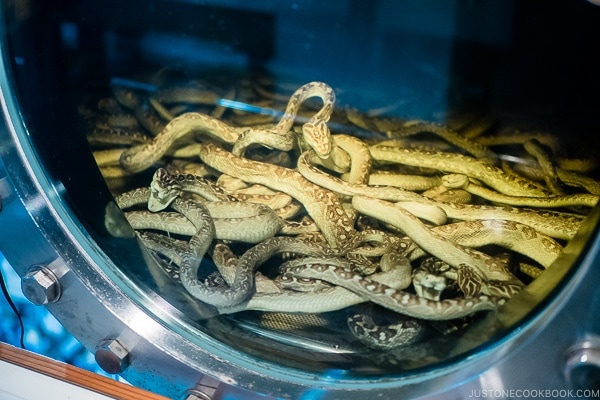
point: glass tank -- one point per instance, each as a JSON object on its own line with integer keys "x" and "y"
{"x": 368, "y": 189}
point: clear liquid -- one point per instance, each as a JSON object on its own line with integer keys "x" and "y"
{"x": 309, "y": 341}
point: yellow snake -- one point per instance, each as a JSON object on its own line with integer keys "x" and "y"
{"x": 460, "y": 164}
{"x": 433, "y": 243}
{"x": 332, "y": 169}
{"x": 454, "y": 181}
{"x": 546, "y": 165}
{"x": 556, "y": 224}
{"x": 508, "y": 234}
{"x": 141, "y": 157}
{"x": 315, "y": 131}
{"x": 413, "y": 127}
{"x": 322, "y": 205}
{"x": 360, "y": 165}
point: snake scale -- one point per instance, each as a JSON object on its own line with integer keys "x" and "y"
{"x": 334, "y": 210}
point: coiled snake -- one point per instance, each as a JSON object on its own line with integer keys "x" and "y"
{"x": 330, "y": 179}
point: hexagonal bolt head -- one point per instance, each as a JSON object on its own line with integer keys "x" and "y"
{"x": 111, "y": 356}
{"x": 582, "y": 364}
{"x": 197, "y": 395}
{"x": 41, "y": 286}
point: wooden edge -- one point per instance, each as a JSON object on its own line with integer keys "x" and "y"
{"x": 74, "y": 375}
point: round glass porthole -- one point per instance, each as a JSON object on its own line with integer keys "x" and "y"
{"x": 351, "y": 195}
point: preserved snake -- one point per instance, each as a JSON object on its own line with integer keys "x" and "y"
{"x": 334, "y": 209}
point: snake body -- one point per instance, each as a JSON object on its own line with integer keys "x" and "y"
{"x": 198, "y": 243}
{"x": 165, "y": 188}
{"x": 243, "y": 284}
{"x": 315, "y": 131}
{"x": 244, "y": 222}
{"x": 413, "y": 127}
{"x": 105, "y": 136}
{"x": 556, "y": 224}
{"x": 322, "y": 205}
{"x": 580, "y": 199}
{"x": 404, "y": 181}
{"x": 460, "y": 164}
{"x": 399, "y": 301}
{"x": 546, "y": 164}
{"x": 250, "y": 227}
{"x": 426, "y": 238}
{"x": 416, "y": 203}
{"x": 300, "y": 300}
{"x": 141, "y": 109}
{"x": 573, "y": 178}
{"x": 508, "y": 234}
{"x": 168, "y": 247}
{"x": 360, "y": 226}
{"x": 141, "y": 157}
{"x": 476, "y": 272}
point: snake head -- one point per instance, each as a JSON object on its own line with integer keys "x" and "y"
{"x": 428, "y": 285}
{"x": 384, "y": 337}
{"x": 455, "y": 181}
{"x": 163, "y": 190}
{"x": 317, "y": 136}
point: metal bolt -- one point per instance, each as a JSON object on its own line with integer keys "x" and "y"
{"x": 196, "y": 395}
{"x": 41, "y": 286}
{"x": 204, "y": 390}
{"x": 111, "y": 356}
{"x": 582, "y": 364}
